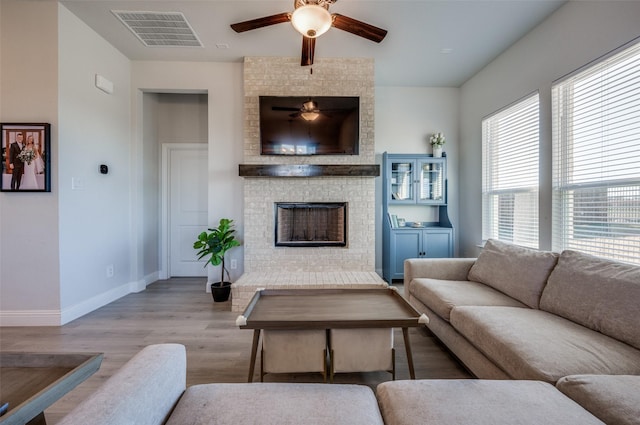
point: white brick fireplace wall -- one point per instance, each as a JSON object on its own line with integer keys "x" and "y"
{"x": 331, "y": 77}
{"x": 351, "y": 265}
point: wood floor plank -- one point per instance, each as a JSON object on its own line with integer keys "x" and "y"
{"x": 179, "y": 311}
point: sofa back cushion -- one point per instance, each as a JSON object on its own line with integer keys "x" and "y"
{"x": 516, "y": 271}
{"x": 600, "y": 294}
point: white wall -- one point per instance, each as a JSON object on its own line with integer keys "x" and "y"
{"x": 150, "y": 257}
{"x": 95, "y": 218}
{"x": 574, "y": 35}
{"x": 405, "y": 118}
{"x": 182, "y": 118}
{"x": 29, "y": 274}
{"x": 222, "y": 82}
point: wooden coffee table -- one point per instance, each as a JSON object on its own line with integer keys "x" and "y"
{"x": 31, "y": 382}
{"x": 299, "y": 309}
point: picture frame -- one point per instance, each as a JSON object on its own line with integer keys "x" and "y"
{"x": 26, "y": 149}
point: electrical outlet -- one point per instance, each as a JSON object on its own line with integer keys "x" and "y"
{"x": 234, "y": 264}
{"x": 110, "y": 270}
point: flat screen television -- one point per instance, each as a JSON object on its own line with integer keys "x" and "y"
{"x": 318, "y": 125}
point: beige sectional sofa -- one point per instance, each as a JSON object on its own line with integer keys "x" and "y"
{"x": 524, "y": 314}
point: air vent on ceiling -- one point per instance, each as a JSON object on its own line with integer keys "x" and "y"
{"x": 159, "y": 29}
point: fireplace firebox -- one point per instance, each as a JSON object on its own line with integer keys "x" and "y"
{"x": 311, "y": 224}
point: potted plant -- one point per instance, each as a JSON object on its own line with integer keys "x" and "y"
{"x": 437, "y": 140}
{"x": 215, "y": 243}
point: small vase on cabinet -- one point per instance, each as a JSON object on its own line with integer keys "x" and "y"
{"x": 437, "y": 151}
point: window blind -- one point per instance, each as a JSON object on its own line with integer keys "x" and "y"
{"x": 596, "y": 159}
{"x": 510, "y": 147}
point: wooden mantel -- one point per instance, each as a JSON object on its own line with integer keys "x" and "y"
{"x": 309, "y": 170}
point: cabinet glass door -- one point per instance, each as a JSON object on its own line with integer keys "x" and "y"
{"x": 402, "y": 181}
{"x": 432, "y": 182}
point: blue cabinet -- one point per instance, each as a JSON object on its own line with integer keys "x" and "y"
{"x": 416, "y": 222}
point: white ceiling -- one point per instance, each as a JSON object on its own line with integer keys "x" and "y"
{"x": 476, "y": 31}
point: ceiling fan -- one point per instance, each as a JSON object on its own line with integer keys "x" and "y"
{"x": 311, "y": 18}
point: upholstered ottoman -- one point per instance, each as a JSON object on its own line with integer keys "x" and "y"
{"x": 293, "y": 351}
{"x": 276, "y": 404}
{"x": 362, "y": 350}
{"x": 478, "y": 402}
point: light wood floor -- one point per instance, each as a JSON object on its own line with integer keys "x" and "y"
{"x": 178, "y": 310}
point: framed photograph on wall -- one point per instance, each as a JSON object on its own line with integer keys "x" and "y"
{"x": 26, "y": 157}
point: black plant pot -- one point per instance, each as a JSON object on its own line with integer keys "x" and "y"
{"x": 220, "y": 291}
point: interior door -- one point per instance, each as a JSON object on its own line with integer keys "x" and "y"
{"x": 188, "y": 182}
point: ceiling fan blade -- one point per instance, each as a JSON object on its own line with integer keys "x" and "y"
{"x": 261, "y": 22}
{"x": 359, "y": 28}
{"x": 284, "y": 108}
{"x": 308, "y": 50}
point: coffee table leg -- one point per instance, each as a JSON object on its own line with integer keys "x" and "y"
{"x": 407, "y": 346}
{"x": 254, "y": 353}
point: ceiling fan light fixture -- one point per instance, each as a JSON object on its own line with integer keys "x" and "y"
{"x": 310, "y": 115}
{"x": 311, "y": 20}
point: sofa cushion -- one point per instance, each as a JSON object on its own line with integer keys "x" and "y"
{"x": 601, "y": 294}
{"x": 615, "y": 399}
{"x": 477, "y": 402}
{"x": 517, "y": 271}
{"x": 534, "y": 344}
{"x": 276, "y": 403}
{"x": 442, "y": 295}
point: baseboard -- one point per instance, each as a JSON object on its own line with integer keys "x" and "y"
{"x": 30, "y": 318}
{"x": 87, "y": 306}
{"x": 142, "y": 284}
{"x": 58, "y": 318}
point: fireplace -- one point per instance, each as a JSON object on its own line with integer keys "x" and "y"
{"x": 310, "y": 224}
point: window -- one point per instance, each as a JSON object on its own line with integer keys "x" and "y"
{"x": 596, "y": 158}
{"x": 510, "y": 146}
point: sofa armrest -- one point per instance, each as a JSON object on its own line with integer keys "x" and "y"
{"x": 143, "y": 392}
{"x": 436, "y": 268}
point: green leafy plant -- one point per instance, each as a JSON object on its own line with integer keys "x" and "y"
{"x": 215, "y": 243}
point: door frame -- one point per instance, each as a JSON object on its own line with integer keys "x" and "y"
{"x": 165, "y": 198}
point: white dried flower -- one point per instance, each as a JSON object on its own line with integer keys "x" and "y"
{"x": 437, "y": 139}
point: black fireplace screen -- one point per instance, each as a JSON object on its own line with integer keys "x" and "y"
{"x": 305, "y": 224}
